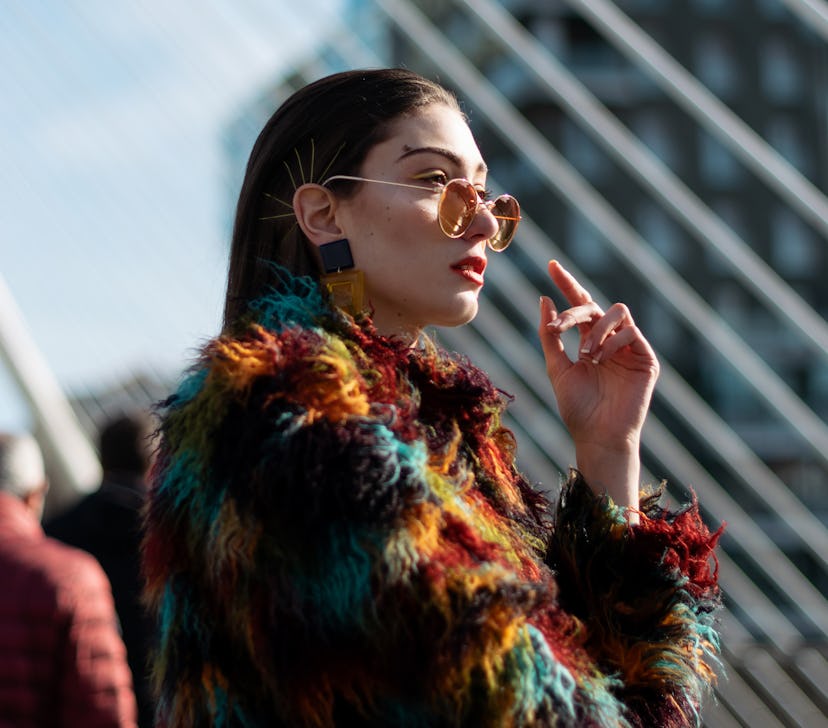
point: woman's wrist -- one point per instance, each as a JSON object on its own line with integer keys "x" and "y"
{"x": 614, "y": 471}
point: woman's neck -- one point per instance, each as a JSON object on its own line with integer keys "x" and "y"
{"x": 397, "y": 329}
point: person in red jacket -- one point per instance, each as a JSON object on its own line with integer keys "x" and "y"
{"x": 107, "y": 524}
{"x": 62, "y": 660}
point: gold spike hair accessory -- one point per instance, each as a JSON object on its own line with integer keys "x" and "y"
{"x": 300, "y": 175}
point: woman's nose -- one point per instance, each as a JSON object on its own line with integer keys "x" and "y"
{"x": 484, "y": 223}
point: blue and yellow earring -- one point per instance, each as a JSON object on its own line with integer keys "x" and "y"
{"x": 345, "y": 283}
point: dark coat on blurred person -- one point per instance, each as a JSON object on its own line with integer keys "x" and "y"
{"x": 107, "y": 524}
{"x": 62, "y": 661}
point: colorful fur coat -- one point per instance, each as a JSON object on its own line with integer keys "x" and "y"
{"x": 338, "y": 535}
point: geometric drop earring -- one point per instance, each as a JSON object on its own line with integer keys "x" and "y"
{"x": 345, "y": 284}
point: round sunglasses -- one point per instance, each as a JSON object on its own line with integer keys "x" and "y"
{"x": 458, "y": 205}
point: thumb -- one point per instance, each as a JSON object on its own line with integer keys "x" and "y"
{"x": 557, "y": 362}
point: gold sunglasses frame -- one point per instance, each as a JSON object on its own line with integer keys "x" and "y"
{"x": 488, "y": 204}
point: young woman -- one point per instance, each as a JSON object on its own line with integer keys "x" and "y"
{"x": 337, "y": 532}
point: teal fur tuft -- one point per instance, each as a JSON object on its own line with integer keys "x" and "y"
{"x": 297, "y": 302}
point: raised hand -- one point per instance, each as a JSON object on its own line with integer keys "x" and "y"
{"x": 603, "y": 396}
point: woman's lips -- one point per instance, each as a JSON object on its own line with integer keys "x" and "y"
{"x": 471, "y": 269}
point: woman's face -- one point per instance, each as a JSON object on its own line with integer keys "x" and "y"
{"x": 415, "y": 275}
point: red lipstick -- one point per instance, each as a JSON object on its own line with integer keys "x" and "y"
{"x": 471, "y": 269}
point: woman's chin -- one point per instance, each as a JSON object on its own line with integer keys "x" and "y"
{"x": 450, "y": 313}
{"x": 461, "y": 314}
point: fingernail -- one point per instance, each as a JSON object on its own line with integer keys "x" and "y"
{"x": 596, "y": 358}
{"x": 550, "y": 307}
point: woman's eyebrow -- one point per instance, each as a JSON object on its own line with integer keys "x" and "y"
{"x": 447, "y": 153}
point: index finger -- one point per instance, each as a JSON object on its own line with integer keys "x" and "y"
{"x": 573, "y": 291}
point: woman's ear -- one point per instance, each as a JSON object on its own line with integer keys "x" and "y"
{"x": 315, "y": 209}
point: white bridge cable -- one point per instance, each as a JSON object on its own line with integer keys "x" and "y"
{"x": 814, "y": 13}
{"x": 651, "y": 172}
{"x": 764, "y": 613}
{"x": 700, "y": 103}
{"x": 64, "y": 443}
{"x": 673, "y": 290}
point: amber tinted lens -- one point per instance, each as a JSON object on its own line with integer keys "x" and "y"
{"x": 457, "y": 207}
{"x": 507, "y": 211}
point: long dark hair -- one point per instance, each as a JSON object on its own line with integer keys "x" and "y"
{"x": 325, "y": 128}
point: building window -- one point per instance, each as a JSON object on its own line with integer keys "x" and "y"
{"x": 773, "y": 9}
{"x": 586, "y": 47}
{"x": 633, "y": 6}
{"x": 818, "y": 389}
{"x": 730, "y": 213}
{"x": 780, "y": 70}
{"x": 728, "y": 392}
{"x": 585, "y": 244}
{"x": 663, "y": 234}
{"x": 550, "y": 33}
{"x": 661, "y": 327}
{"x": 715, "y": 63}
{"x": 653, "y": 130}
{"x": 729, "y": 301}
{"x": 505, "y": 74}
{"x": 586, "y": 156}
{"x": 794, "y": 252}
{"x": 717, "y": 166}
{"x": 713, "y": 7}
{"x": 783, "y": 135}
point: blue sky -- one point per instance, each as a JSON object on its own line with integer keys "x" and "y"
{"x": 113, "y": 185}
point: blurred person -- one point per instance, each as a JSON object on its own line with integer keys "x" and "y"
{"x": 62, "y": 661}
{"x": 107, "y": 524}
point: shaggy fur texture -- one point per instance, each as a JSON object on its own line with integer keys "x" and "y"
{"x": 338, "y": 535}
